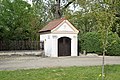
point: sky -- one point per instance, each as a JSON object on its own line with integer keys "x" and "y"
{"x": 29, "y": 1}
{"x": 71, "y": 6}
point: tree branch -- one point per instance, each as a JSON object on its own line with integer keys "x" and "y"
{"x": 117, "y": 15}
{"x": 68, "y": 4}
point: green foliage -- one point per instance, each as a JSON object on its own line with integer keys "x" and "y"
{"x": 15, "y": 20}
{"x": 91, "y": 42}
{"x": 43, "y": 10}
{"x": 114, "y": 47}
{"x": 84, "y": 22}
{"x": 21, "y": 21}
{"x": 18, "y": 21}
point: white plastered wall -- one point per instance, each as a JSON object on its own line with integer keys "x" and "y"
{"x": 46, "y": 38}
{"x": 64, "y": 29}
{"x": 51, "y": 43}
{"x": 74, "y": 43}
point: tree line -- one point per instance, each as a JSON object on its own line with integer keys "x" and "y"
{"x": 20, "y": 20}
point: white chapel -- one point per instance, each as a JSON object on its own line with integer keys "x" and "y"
{"x": 59, "y": 38}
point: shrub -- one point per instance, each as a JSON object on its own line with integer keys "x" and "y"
{"x": 114, "y": 48}
{"x": 91, "y": 42}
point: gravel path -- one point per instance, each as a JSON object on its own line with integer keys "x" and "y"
{"x": 14, "y": 63}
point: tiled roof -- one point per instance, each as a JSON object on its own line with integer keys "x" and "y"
{"x": 51, "y": 25}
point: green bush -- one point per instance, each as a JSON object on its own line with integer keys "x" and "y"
{"x": 92, "y": 44}
{"x": 114, "y": 48}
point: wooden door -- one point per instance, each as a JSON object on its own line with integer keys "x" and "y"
{"x": 64, "y": 46}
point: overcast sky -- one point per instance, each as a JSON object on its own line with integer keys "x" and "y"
{"x": 71, "y": 6}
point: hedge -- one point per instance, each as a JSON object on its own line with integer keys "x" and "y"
{"x": 91, "y": 42}
{"x": 114, "y": 48}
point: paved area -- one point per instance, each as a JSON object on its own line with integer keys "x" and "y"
{"x": 21, "y": 53}
{"x": 13, "y": 63}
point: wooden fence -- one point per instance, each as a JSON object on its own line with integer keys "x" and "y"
{"x": 19, "y": 45}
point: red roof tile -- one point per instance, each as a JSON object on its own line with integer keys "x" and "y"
{"x": 51, "y": 25}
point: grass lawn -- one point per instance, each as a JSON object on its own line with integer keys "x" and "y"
{"x": 68, "y": 73}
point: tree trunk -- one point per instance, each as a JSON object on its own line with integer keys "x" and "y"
{"x": 58, "y": 12}
{"x": 57, "y": 9}
{"x": 103, "y": 62}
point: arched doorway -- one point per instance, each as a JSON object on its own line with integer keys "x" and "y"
{"x": 64, "y": 46}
